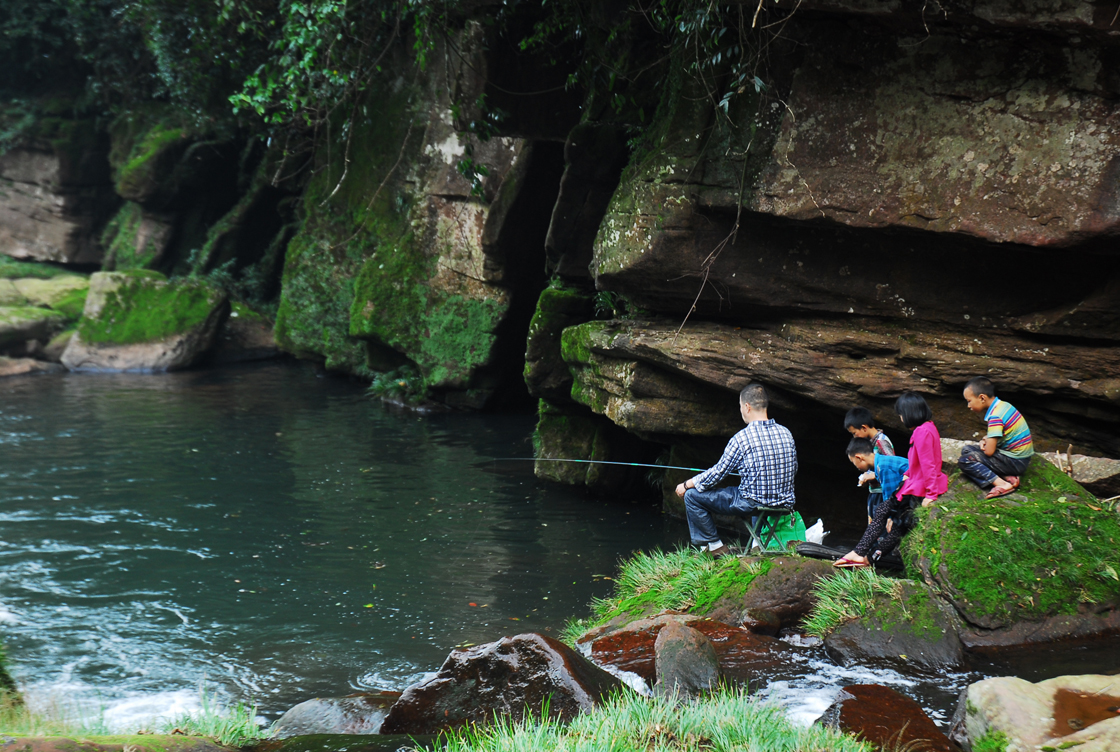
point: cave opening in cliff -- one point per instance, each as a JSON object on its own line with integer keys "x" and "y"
{"x": 521, "y": 245}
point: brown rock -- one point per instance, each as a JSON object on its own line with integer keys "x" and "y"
{"x": 23, "y": 366}
{"x": 1060, "y": 628}
{"x": 743, "y": 656}
{"x": 510, "y": 678}
{"x": 686, "y": 662}
{"x": 786, "y": 591}
{"x": 885, "y": 718}
{"x": 761, "y": 621}
{"x": 354, "y": 714}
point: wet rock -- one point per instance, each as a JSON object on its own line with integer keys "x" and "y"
{"x": 354, "y": 714}
{"x": 138, "y": 321}
{"x": 743, "y": 656}
{"x": 886, "y": 718}
{"x": 344, "y": 743}
{"x": 1081, "y": 712}
{"x": 761, "y": 621}
{"x": 786, "y": 591}
{"x": 562, "y": 437}
{"x": 686, "y": 662}
{"x": 912, "y": 629}
{"x": 1059, "y": 628}
{"x": 23, "y": 366}
{"x": 512, "y": 678}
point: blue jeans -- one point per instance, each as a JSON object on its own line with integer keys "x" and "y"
{"x": 699, "y": 506}
{"x": 983, "y": 470}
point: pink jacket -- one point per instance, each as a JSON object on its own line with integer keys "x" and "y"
{"x": 925, "y": 477}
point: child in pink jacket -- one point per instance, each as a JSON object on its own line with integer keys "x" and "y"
{"x": 923, "y": 483}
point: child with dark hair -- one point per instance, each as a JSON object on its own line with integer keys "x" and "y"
{"x": 922, "y": 484}
{"x": 889, "y": 470}
{"x": 1003, "y": 455}
{"x": 860, "y": 423}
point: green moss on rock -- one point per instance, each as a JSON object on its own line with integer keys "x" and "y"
{"x": 145, "y": 143}
{"x": 142, "y": 306}
{"x": 121, "y": 238}
{"x": 1041, "y": 551}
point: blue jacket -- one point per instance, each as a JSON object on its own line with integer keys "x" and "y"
{"x": 889, "y": 470}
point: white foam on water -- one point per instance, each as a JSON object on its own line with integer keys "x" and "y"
{"x": 149, "y": 710}
{"x": 89, "y": 706}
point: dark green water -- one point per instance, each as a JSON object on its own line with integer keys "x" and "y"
{"x": 276, "y": 534}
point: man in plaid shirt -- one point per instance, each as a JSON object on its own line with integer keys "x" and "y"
{"x": 764, "y": 456}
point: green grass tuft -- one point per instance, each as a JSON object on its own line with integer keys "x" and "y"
{"x": 723, "y": 721}
{"x": 849, "y": 595}
{"x": 53, "y": 719}
{"x": 233, "y": 727}
{"x": 656, "y": 581}
{"x": 992, "y": 741}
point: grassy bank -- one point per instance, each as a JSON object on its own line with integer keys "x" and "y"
{"x": 726, "y": 720}
{"x": 847, "y": 596}
{"x": 682, "y": 580}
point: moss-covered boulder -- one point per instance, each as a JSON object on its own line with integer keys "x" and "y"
{"x": 147, "y": 146}
{"x": 65, "y": 293}
{"x": 546, "y": 373}
{"x": 133, "y": 239}
{"x": 1048, "y": 549}
{"x": 20, "y": 324}
{"x": 140, "y": 321}
{"x": 908, "y": 628}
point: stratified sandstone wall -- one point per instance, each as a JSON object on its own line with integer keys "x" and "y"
{"x": 916, "y": 200}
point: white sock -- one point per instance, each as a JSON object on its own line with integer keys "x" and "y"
{"x": 714, "y": 546}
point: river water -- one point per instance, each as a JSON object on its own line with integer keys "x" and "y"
{"x": 276, "y": 535}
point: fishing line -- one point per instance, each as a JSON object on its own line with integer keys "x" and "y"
{"x": 599, "y": 462}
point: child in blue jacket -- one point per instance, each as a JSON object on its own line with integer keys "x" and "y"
{"x": 888, "y": 470}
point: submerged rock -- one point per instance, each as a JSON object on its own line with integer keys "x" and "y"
{"x": 354, "y": 714}
{"x": 511, "y": 678}
{"x": 140, "y": 321}
{"x": 743, "y": 656}
{"x": 1065, "y": 712}
{"x": 687, "y": 664}
{"x": 885, "y": 718}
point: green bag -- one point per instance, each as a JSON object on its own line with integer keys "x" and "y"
{"x": 789, "y": 528}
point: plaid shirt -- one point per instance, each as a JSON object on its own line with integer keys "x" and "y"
{"x": 765, "y": 458}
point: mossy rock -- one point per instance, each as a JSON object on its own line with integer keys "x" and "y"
{"x": 20, "y": 324}
{"x": 147, "y": 143}
{"x": 143, "y": 306}
{"x": 1049, "y": 548}
{"x": 65, "y": 293}
{"x": 563, "y": 436}
{"x": 12, "y": 269}
{"x": 912, "y": 628}
{"x": 546, "y": 374}
{"x": 784, "y": 588}
{"x": 133, "y": 240}
{"x": 10, "y": 296}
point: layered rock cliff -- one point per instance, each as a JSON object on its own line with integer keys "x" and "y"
{"x": 881, "y": 198}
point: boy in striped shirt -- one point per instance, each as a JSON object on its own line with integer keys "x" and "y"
{"x": 1004, "y": 453}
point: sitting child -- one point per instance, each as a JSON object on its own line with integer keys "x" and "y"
{"x": 922, "y": 484}
{"x": 860, "y": 423}
{"x": 1004, "y": 453}
{"x": 888, "y": 471}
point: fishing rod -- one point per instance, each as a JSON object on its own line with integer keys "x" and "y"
{"x": 600, "y": 462}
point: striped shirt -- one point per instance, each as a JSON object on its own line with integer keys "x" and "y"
{"x": 1008, "y": 426}
{"x": 764, "y": 456}
{"x": 882, "y": 444}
